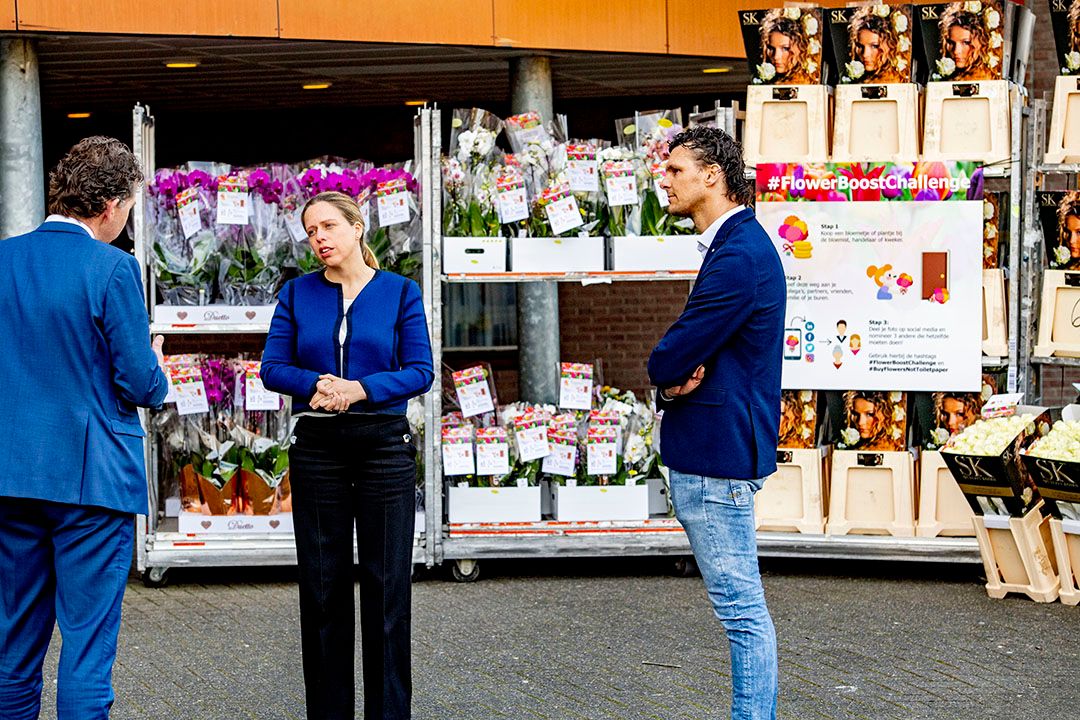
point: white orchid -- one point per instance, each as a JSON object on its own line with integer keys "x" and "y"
{"x": 810, "y": 25}
{"x": 808, "y": 413}
{"x": 855, "y": 69}
{"x": 898, "y": 414}
{"x": 993, "y": 19}
{"x": 988, "y": 210}
{"x": 849, "y": 436}
{"x": 939, "y": 436}
{"x": 805, "y": 434}
{"x": 995, "y": 40}
{"x": 989, "y": 231}
{"x": 901, "y": 64}
{"x": 792, "y": 13}
{"x": 903, "y": 44}
{"x": 811, "y": 67}
{"x": 900, "y": 24}
{"x": 806, "y": 395}
{"x": 1072, "y": 60}
{"x": 896, "y": 434}
{"x": 1061, "y": 255}
{"x": 988, "y": 252}
{"x": 945, "y": 67}
{"x": 896, "y": 396}
{"x": 973, "y": 7}
{"x": 993, "y": 61}
{"x": 814, "y": 47}
{"x": 882, "y": 10}
{"x": 766, "y": 71}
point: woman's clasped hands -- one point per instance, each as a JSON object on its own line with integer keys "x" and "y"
{"x": 335, "y": 394}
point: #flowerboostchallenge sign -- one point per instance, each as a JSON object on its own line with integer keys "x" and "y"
{"x": 883, "y": 266}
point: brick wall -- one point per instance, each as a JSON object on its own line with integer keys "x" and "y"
{"x": 620, "y": 324}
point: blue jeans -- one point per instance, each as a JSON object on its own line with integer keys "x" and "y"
{"x": 718, "y": 515}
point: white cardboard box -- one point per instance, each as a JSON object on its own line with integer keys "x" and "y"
{"x": 556, "y": 255}
{"x": 658, "y": 496}
{"x": 606, "y": 502}
{"x": 213, "y": 314}
{"x": 488, "y": 504}
{"x": 195, "y": 524}
{"x": 667, "y": 252}
{"x": 473, "y": 255}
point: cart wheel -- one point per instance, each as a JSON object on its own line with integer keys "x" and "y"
{"x": 686, "y": 567}
{"x": 465, "y": 570}
{"x": 155, "y": 577}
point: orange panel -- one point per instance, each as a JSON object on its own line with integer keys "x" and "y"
{"x": 409, "y": 21}
{"x": 190, "y": 17}
{"x": 7, "y": 15}
{"x": 697, "y": 28}
{"x": 617, "y": 26}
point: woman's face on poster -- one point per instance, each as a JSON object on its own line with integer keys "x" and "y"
{"x": 869, "y": 50}
{"x": 1072, "y": 235}
{"x": 963, "y": 47}
{"x": 955, "y": 414}
{"x": 781, "y": 52}
{"x": 865, "y": 420}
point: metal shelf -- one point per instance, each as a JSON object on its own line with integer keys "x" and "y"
{"x": 176, "y": 550}
{"x": 1066, "y": 361}
{"x": 1048, "y": 169}
{"x": 210, "y": 329}
{"x": 666, "y": 537}
{"x": 586, "y": 277}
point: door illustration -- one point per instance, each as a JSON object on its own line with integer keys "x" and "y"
{"x": 935, "y": 273}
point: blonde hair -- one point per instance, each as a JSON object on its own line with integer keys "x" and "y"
{"x": 350, "y": 210}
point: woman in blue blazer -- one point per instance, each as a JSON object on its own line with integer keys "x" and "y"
{"x": 350, "y": 345}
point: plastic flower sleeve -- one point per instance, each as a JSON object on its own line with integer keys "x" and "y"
{"x": 184, "y": 262}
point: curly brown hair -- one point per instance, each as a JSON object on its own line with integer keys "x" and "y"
{"x": 1074, "y": 25}
{"x": 96, "y": 170}
{"x": 775, "y": 22}
{"x": 866, "y": 19}
{"x": 1068, "y": 207}
{"x": 956, "y": 16}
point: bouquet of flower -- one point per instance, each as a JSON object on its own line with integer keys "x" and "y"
{"x": 579, "y": 162}
{"x": 990, "y": 437}
{"x": 395, "y": 227}
{"x": 256, "y": 252}
{"x": 469, "y": 198}
{"x": 622, "y": 173}
{"x": 179, "y": 214}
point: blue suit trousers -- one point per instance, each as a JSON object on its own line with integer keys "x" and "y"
{"x": 63, "y": 565}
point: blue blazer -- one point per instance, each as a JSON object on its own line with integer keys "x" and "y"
{"x": 76, "y": 364}
{"x": 733, "y": 324}
{"x": 386, "y": 348}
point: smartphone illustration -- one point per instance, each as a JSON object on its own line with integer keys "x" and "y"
{"x": 792, "y": 343}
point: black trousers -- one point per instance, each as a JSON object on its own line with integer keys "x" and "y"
{"x": 360, "y": 470}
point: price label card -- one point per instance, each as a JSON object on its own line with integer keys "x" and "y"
{"x": 562, "y": 460}
{"x": 601, "y": 458}
{"x": 458, "y": 459}
{"x": 191, "y": 397}
{"x": 295, "y": 226}
{"x": 532, "y": 442}
{"x": 1002, "y": 405}
{"x": 232, "y": 203}
{"x": 393, "y": 209}
{"x": 661, "y": 194}
{"x": 256, "y": 396}
{"x": 473, "y": 392}
{"x": 513, "y": 205}
{"x": 584, "y": 175}
{"x": 621, "y": 190}
{"x": 492, "y": 452}
{"x": 563, "y": 215}
{"x": 576, "y": 386}
{"x": 187, "y": 205}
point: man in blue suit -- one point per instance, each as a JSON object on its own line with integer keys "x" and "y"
{"x": 718, "y": 372}
{"x": 77, "y": 362}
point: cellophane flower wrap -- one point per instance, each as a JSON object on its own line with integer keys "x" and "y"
{"x": 469, "y": 199}
{"x": 396, "y": 244}
{"x": 185, "y": 266}
{"x": 254, "y": 254}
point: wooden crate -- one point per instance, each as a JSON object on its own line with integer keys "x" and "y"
{"x": 1063, "y": 143}
{"x": 793, "y": 498}
{"x": 967, "y": 121}
{"x": 1058, "y": 331}
{"x": 876, "y": 123}
{"x": 1018, "y": 555}
{"x": 872, "y": 493}
{"x": 786, "y": 123}
{"x": 943, "y": 509}
{"x": 1065, "y": 535}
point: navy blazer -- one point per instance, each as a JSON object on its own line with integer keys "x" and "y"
{"x": 733, "y": 324}
{"x": 76, "y": 364}
{"x": 386, "y": 349}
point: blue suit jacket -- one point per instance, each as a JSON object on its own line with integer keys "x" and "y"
{"x": 733, "y": 324}
{"x": 75, "y": 364}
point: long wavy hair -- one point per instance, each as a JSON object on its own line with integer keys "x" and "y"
{"x": 956, "y": 16}
{"x": 775, "y": 22}
{"x": 885, "y": 424}
{"x": 865, "y": 19}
